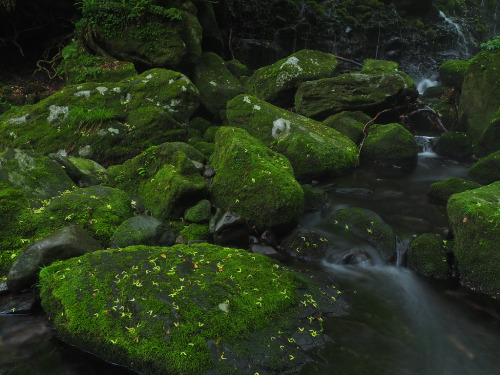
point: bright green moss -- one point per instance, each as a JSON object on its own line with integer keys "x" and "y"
{"x": 441, "y": 191}
{"x": 178, "y": 310}
{"x": 196, "y": 232}
{"x": 486, "y": 170}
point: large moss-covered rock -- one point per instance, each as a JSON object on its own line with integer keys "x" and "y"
{"x": 38, "y": 176}
{"x": 369, "y": 92}
{"x": 452, "y": 72}
{"x": 254, "y": 181}
{"x": 150, "y": 34}
{"x": 106, "y": 122}
{"x": 195, "y": 309}
{"x": 441, "y": 191}
{"x": 163, "y": 178}
{"x": 455, "y": 145}
{"x": 367, "y": 225}
{"x": 480, "y": 98}
{"x": 314, "y": 150}
{"x": 486, "y": 170}
{"x": 427, "y": 255}
{"x": 390, "y": 144}
{"x": 475, "y": 219}
{"x": 278, "y": 82}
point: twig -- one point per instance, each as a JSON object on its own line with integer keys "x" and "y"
{"x": 367, "y": 125}
{"x": 348, "y": 60}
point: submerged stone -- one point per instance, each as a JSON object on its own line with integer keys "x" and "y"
{"x": 195, "y": 309}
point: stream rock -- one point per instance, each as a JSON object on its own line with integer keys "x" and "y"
{"x": 367, "y": 225}
{"x": 254, "y": 181}
{"x": 486, "y": 170}
{"x": 142, "y": 230}
{"x": 305, "y": 244}
{"x": 390, "y": 144}
{"x": 69, "y": 242}
{"x": 314, "y": 150}
{"x": 441, "y": 191}
{"x": 475, "y": 220}
{"x": 454, "y": 145}
{"x": 189, "y": 309}
{"x": 428, "y": 256}
{"x": 480, "y": 99}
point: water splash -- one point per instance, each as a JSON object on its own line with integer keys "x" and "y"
{"x": 461, "y": 43}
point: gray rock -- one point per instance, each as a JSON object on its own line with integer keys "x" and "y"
{"x": 18, "y": 303}
{"x": 229, "y": 229}
{"x": 268, "y": 251}
{"x": 142, "y": 230}
{"x": 67, "y": 243}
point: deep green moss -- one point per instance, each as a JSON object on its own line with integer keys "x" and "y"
{"x": 179, "y": 310}
{"x": 428, "y": 256}
{"x": 349, "y": 123}
{"x": 196, "y": 232}
{"x": 452, "y": 72}
{"x": 486, "y": 170}
{"x": 441, "y": 191}
{"x": 455, "y": 145}
{"x": 390, "y": 144}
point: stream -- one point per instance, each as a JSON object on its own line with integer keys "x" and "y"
{"x": 398, "y": 323}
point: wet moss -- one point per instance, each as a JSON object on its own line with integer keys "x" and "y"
{"x": 441, "y": 191}
{"x": 455, "y": 145}
{"x": 452, "y": 72}
{"x": 486, "y": 170}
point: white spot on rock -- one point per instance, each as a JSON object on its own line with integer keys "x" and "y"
{"x": 18, "y": 120}
{"x": 57, "y": 113}
{"x": 256, "y": 107}
{"x": 101, "y": 89}
{"x": 246, "y": 99}
{"x": 281, "y": 128}
{"x": 113, "y": 131}
{"x": 213, "y": 83}
{"x": 85, "y": 151}
{"x": 117, "y": 89}
{"x": 80, "y": 94}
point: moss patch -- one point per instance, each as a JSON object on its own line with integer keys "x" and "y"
{"x": 486, "y": 170}
{"x": 428, "y": 256}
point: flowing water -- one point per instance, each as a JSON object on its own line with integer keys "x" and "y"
{"x": 398, "y": 323}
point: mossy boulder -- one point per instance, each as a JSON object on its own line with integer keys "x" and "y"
{"x": 254, "y": 181}
{"x": 194, "y": 309}
{"x": 148, "y": 35}
{"x": 390, "y": 144}
{"x": 452, "y": 72}
{"x": 163, "y": 178}
{"x": 314, "y": 150}
{"x": 480, "y": 98}
{"x": 350, "y": 123}
{"x": 441, "y": 191}
{"x": 486, "y": 170}
{"x": 367, "y": 92}
{"x": 427, "y": 256}
{"x": 455, "y": 145}
{"x": 490, "y": 139}
{"x": 278, "y": 82}
{"x": 38, "y": 176}
{"x": 217, "y": 85}
{"x": 475, "y": 219}
{"x": 90, "y": 172}
{"x": 142, "y": 230}
{"x": 366, "y": 224}
{"x": 237, "y": 68}
{"x": 97, "y": 209}
{"x": 105, "y": 122}
{"x": 196, "y": 232}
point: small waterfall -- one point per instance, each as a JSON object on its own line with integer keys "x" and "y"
{"x": 461, "y": 44}
{"x": 425, "y": 83}
{"x": 426, "y": 146}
